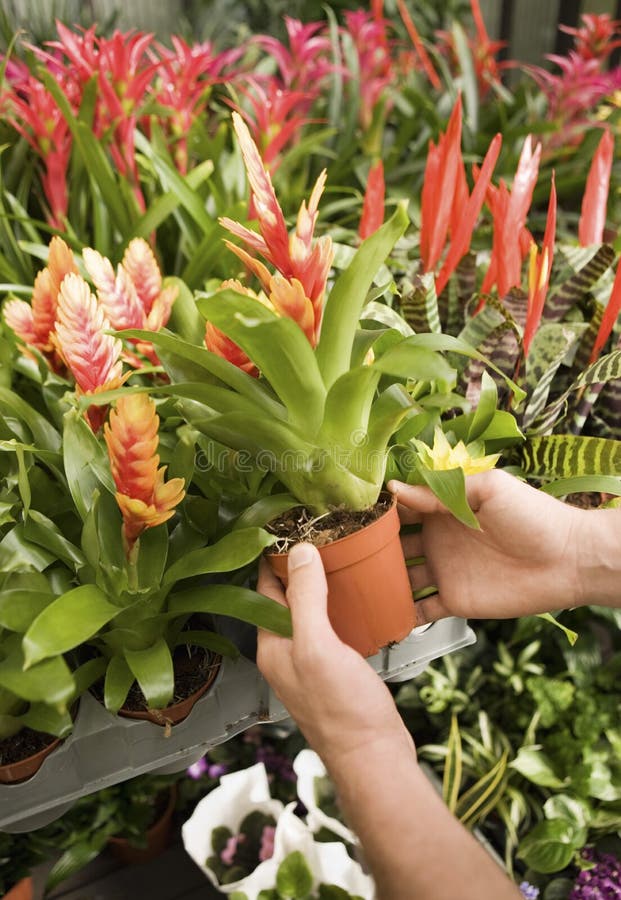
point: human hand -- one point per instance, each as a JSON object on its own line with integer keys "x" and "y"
{"x": 523, "y": 560}
{"x": 338, "y": 701}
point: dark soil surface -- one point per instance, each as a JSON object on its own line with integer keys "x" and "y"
{"x": 299, "y": 525}
{"x": 22, "y": 745}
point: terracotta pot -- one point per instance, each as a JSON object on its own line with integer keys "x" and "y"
{"x": 370, "y": 600}
{"x": 23, "y": 890}
{"x": 176, "y": 712}
{"x": 23, "y": 769}
{"x": 158, "y": 836}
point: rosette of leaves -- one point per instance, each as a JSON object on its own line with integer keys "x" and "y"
{"x": 571, "y": 413}
{"x": 320, "y": 422}
{"x": 69, "y": 583}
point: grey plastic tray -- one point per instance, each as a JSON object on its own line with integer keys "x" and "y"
{"x": 105, "y": 749}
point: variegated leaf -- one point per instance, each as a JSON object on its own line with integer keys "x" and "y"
{"x": 548, "y": 350}
{"x": 419, "y": 304}
{"x": 566, "y": 456}
{"x": 591, "y": 267}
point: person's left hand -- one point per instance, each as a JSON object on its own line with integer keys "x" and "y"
{"x": 340, "y": 704}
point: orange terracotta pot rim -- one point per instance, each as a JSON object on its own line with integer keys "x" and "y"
{"x": 348, "y": 537}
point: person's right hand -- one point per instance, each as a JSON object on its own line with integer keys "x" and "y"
{"x": 525, "y": 558}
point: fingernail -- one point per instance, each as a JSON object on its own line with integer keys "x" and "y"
{"x": 301, "y": 555}
{"x": 395, "y": 486}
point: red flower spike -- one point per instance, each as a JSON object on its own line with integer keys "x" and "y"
{"x": 144, "y": 499}
{"x": 373, "y": 206}
{"x": 611, "y": 314}
{"x": 411, "y": 29}
{"x": 469, "y": 213}
{"x": 539, "y": 273}
{"x": 509, "y": 211}
{"x": 376, "y": 71}
{"x": 289, "y": 300}
{"x": 593, "y": 213}
{"x": 116, "y": 293}
{"x": 441, "y": 174}
{"x": 140, "y": 264}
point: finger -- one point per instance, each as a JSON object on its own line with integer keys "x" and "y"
{"x": 420, "y": 576}
{"x": 408, "y": 516}
{"x": 430, "y": 610}
{"x": 307, "y": 593}
{"x": 415, "y": 499}
{"x": 269, "y": 583}
{"x": 412, "y": 546}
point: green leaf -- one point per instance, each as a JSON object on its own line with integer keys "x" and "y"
{"x": 294, "y": 879}
{"x": 552, "y": 697}
{"x": 468, "y": 79}
{"x": 214, "y": 365}
{"x": 86, "y": 462}
{"x": 279, "y": 348}
{"x": 210, "y": 641}
{"x": 406, "y": 360}
{"x": 153, "y": 670}
{"x": 42, "y": 531}
{"x": 452, "y": 767}
{"x": 486, "y": 409}
{"x": 44, "y": 718}
{"x": 44, "y": 435}
{"x": 49, "y": 681}
{"x": 185, "y": 319}
{"x": 550, "y": 846}
{"x": 73, "y": 860}
{"x": 347, "y": 297}
{"x": 237, "y": 602}
{"x": 16, "y": 553}
{"x": 66, "y": 623}
{"x": 119, "y": 679}
{"x": 264, "y": 510}
{"x": 480, "y": 799}
{"x": 572, "y": 636}
{"x": 536, "y": 767}
{"x": 571, "y": 809}
{"x": 608, "y": 484}
{"x": 19, "y": 608}
{"x": 450, "y": 487}
{"x": 233, "y": 551}
{"x": 152, "y": 555}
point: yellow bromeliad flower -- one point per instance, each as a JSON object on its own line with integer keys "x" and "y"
{"x": 144, "y": 498}
{"x": 442, "y": 456}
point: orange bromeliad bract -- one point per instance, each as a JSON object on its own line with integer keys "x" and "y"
{"x": 303, "y": 262}
{"x": 144, "y": 498}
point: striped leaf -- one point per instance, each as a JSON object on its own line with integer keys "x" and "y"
{"x": 419, "y": 304}
{"x": 580, "y": 283}
{"x": 566, "y": 456}
{"x": 453, "y": 766}
{"x": 479, "y": 800}
{"x": 585, "y": 347}
{"x": 603, "y": 370}
{"x": 548, "y": 350}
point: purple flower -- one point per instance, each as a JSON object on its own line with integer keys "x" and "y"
{"x": 267, "y": 843}
{"x": 529, "y": 891}
{"x": 217, "y": 770}
{"x": 197, "y": 769}
{"x": 602, "y": 881}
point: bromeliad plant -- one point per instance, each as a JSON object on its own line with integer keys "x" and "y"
{"x": 330, "y": 394}
{"x": 132, "y": 547}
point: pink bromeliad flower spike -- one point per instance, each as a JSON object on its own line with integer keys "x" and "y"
{"x": 133, "y": 297}
{"x": 595, "y": 200}
{"x": 34, "y": 322}
{"x": 144, "y": 498}
{"x": 297, "y": 256}
{"x": 92, "y": 356}
{"x": 220, "y": 344}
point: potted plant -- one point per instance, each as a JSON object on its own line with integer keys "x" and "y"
{"x": 321, "y": 416}
{"x": 130, "y": 581}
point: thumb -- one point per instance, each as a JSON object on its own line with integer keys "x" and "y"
{"x": 307, "y": 591}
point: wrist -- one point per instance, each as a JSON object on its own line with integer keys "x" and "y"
{"x": 599, "y": 562}
{"x": 370, "y": 754}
